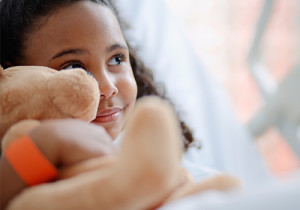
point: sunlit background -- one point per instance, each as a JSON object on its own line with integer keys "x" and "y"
{"x": 221, "y": 32}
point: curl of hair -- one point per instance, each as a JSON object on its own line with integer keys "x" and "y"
{"x": 147, "y": 86}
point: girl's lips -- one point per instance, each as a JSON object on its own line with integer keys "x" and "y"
{"x": 108, "y": 115}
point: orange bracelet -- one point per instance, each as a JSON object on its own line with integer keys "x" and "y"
{"x": 29, "y": 162}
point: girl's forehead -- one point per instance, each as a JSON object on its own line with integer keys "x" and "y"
{"x": 83, "y": 11}
{"x": 84, "y": 23}
{"x": 77, "y": 16}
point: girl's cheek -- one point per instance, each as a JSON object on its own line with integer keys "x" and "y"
{"x": 134, "y": 88}
{"x": 129, "y": 86}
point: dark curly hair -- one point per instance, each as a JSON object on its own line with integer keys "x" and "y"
{"x": 18, "y": 19}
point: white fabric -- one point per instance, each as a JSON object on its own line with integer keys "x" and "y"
{"x": 226, "y": 146}
{"x": 274, "y": 196}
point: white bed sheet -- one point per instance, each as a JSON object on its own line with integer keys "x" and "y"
{"x": 275, "y": 196}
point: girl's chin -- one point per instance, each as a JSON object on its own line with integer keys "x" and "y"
{"x": 112, "y": 129}
{"x": 113, "y": 134}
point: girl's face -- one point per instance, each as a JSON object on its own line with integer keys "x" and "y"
{"x": 88, "y": 35}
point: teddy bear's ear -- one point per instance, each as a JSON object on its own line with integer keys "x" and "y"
{"x": 1, "y": 70}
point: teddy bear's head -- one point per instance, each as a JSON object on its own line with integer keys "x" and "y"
{"x": 35, "y": 92}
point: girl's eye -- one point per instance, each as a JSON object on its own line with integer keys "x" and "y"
{"x": 116, "y": 60}
{"x": 74, "y": 65}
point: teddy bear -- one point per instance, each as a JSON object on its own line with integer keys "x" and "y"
{"x": 144, "y": 174}
{"x": 37, "y": 93}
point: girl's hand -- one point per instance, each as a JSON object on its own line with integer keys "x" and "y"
{"x": 70, "y": 141}
{"x": 64, "y": 143}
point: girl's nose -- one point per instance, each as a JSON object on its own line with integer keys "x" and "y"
{"x": 107, "y": 87}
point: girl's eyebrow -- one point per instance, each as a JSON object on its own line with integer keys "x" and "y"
{"x": 116, "y": 46}
{"x": 70, "y": 51}
{"x": 84, "y": 52}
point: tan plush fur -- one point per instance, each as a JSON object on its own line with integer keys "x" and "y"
{"x": 144, "y": 174}
{"x": 31, "y": 92}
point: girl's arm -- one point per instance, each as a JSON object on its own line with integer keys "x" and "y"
{"x": 63, "y": 143}
{"x": 10, "y": 182}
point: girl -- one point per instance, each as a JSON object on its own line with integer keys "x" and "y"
{"x": 64, "y": 34}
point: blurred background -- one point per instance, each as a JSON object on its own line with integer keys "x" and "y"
{"x": 222, "y": 33}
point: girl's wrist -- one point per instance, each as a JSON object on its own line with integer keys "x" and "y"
{"x": 29, "y": 162}
{"x": 10, "y": 182}
{"x": 47, "y": 142}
